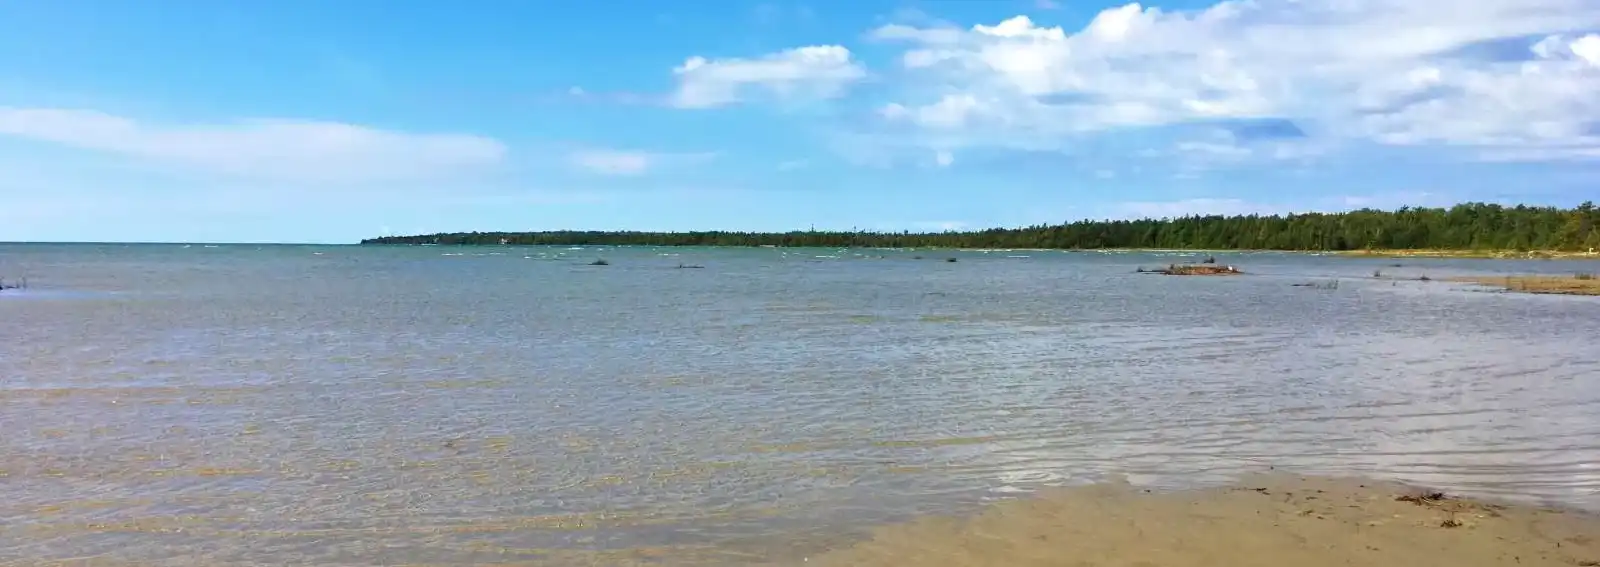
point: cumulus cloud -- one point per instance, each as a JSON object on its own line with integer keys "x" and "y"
{"x": 816, "y": 71}
{"x": 628, "y": 162}
{"x": 1491, "y": 76}
{"x": 262, "y": 149}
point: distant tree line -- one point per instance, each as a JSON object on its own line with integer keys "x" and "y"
{"x": 1468, "y": 226}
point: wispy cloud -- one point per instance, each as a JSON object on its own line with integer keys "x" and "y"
{"x": 1187, "y": 207}
{"x": 814, "y": 71}
{"x": 794, "y": 164}
{"x": 925, "y": 226}
{"x": 632, "y": 162}
{"x": 261, "y": 149}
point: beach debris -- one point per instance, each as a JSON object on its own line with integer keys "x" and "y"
{"x": 1424, "y": 498}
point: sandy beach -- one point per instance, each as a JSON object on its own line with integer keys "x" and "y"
{"x": 1264, "y": 521}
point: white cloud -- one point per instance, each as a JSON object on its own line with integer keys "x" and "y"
{"x": 943, "y": 158}
{"x": 817, "y": 71}
{"x": 1490, "y": 75}
{"x": 262, "y": 149}
{"x": 628, "y": 162}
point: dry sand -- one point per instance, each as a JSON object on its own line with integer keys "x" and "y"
{"x": 1277, "y": 521}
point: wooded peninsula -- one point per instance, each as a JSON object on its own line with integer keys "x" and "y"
{"x": 1468, "y": 226}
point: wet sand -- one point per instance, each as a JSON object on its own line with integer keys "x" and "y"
{"x": 1265, "y": 521}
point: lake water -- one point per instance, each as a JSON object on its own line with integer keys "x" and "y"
{"x": 341, "y": 405}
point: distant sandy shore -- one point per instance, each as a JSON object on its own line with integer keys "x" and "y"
{"x": 1265, "y": 521}
{"x": 1583, "y": 284}
{"x": 1491, "y": 254}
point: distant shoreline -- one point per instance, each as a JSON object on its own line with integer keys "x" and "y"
{"x": 1578, "y": 284}
{"x": 1467, "y": 226}
{"x": 1487, "y": 254}
{"x": 1481, "y": 254}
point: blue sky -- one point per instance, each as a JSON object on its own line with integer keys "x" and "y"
{"x": 302, "y": 121}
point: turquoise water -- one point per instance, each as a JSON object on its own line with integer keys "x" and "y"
{"x": 339, "y": 405}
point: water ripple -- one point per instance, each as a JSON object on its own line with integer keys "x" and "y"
{"x": 249, "y": 405}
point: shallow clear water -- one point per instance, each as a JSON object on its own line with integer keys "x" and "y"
{"x": 162, "y": 404}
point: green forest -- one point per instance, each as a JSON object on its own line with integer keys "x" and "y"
{"x": 1468, "y": 226}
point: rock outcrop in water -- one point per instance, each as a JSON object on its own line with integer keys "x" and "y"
{"x": 1194, "y": 270}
